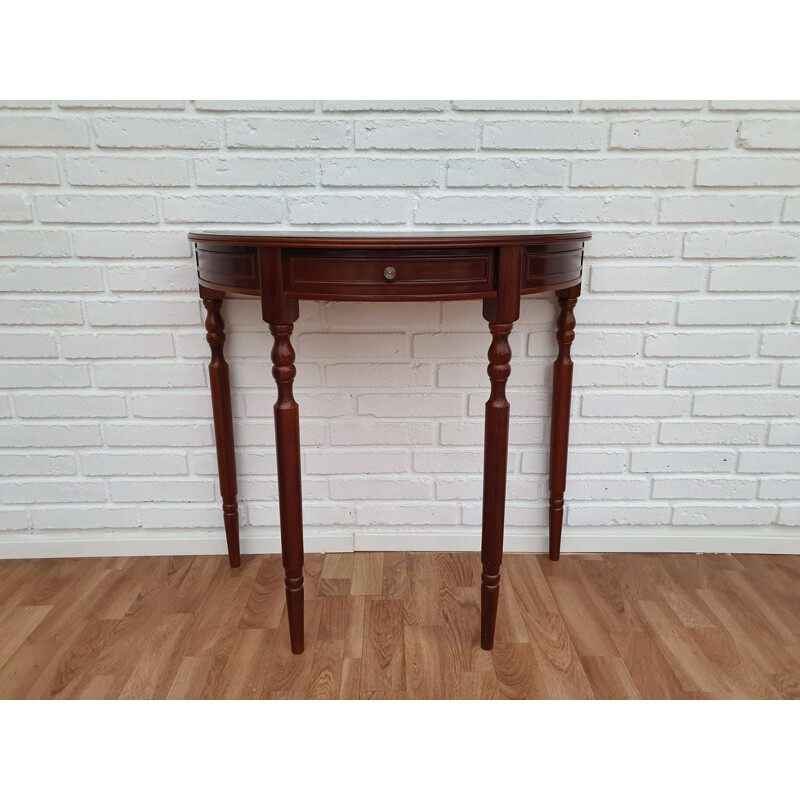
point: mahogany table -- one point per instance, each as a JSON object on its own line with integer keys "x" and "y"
{"x": 497, "y": 267}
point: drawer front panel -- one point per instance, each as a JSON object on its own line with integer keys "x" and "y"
{"x": 401, "y": 273}
{"x": 228, "y": 266}
{"x": 550, "y": 264}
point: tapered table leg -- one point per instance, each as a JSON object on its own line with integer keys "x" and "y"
{"x": 223, "y": 419}
{"x": 559, "y": 426}
{"x": 287, "y": 441}
{"x": 494, "y": 478}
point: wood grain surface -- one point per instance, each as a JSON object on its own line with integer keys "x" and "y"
{"x": 402, "y": 626}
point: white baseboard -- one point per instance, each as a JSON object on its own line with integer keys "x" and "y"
{"x": 634, "y": 540}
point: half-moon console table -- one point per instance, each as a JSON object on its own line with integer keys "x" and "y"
{"x": 497, "y": 267}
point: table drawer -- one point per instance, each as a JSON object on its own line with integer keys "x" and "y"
{"x": 227, "y": 265}
{"x": 389, "y": 274}
{"x": 549, "y": 264}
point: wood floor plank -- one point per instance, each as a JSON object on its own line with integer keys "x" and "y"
{"x": 402, "y": 626}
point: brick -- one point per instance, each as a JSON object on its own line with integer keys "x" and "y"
{"x": 130, "y": 244}
{"x": 378, "y": 375}
{"x": 780, "y": 343}
{"x": 750, "y": 404}
{"x": 148, "y": 434}
{"x": 161, "y": 491}
{"x": 610, "y": 432}
{"x": 157, "y": 132}
{"x": 790, "y": 374}
{"x": 40, "y": 465}
{"x": 654, "y": 404}
{"x": 728, "y": 344}
{"x": 779, "y": 489}
{"x": 769, "y": 461}
{"x": 465, "y": 488}
{"x": 290, "y": 134}
{"x": 27, "y": 104}
{"x": 28, "y": 345}
{"x": 764, "y": 278}
{"x": 622, "y": 311}
{"x": 181, "y": 405}
{"x": 89, "y": 406}
{"x": 381, "y": 489}
{"x": 33, "y": 243}
{"x": 641, "y": 105}
{"x": 384, "y": 105}
{"x": 589, "y": 342}
{"x": 155, "y": 374}
{"x": 452, "y": 461}
{"x": 15, "y": 207}
{"x": 40, "y": 278}
{"x": 738, "y": 514}
{"x": 41, "y": 312}
{"x": 605, "y": 514}
{"x": 42, "y": 170}
{"x": 789, "y": 515}
{"x": 472, "y": 210}
{"x": 647, "y": 279}
{"x": 727, "y": 311}
{"x": 396, "y": 317}
{"x": 629, "y": 373}
{"x": 172, "y": 105}
{"x": 147, "y": 464}
{"x": 374, "y": 432}
{"x": 14, "y": 520}
{"x": 84, "y": 518}
{"x": 716, "y": 374}
{"x": 585, "y": 210}
{"x": 13, "y": 376}
{"x": 146, "y": 278}
{"x": 47, "y": 491}
{"x": 403, "y": 404}
{"x": 755, "y": 105}
{"x": 39, "y": 131}
{"x": 408, "y": 514}
{"x": 741, "y": 170}
{"x": 543, "y": 135}
{"x": 784, "y": 433}
{"x": 686, "y": 432}
{"x": 672, "y": 134}
{"x": 514, "y": 105}
{"x": 68, "y": 435}
{"x": 433, "y": 134}
{"x": 770, "y": 134}
{"x": 347, "y": 461}
{"x": 128, "y": 171}
{"x": 791, "y": 209}
{"x": 457, "y": 345}
{"x": 691, "y": 208}
{"x": 255, "y": 171}
{"x": 254, "y": 105}
{"x": 768, "y": 243}
{"x": 86, "y": 208}
{"x": 116, "y": 345}
{"x": 608, "y": 488}
{"x": 353, "y": 209}
{"x": 142, "y": 313}
{"x": 335, "y": 345}
{"x": 683, "y": 461}
{"x": 638, "y": 244}
{"x": 622, "y": 171}
{"x": 222, "y": 208}
{"x": 706, "y": 488}
{"x": 324, "y": 515}
{"x": 581, "y": 462}
{"x": 324, "y": 404}
{"x": 198, "y": 517}
{"x": 379, "y": 171}
{"x": 506, "y": 172}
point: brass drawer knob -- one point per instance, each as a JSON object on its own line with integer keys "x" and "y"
{"x": 390, "y": 273}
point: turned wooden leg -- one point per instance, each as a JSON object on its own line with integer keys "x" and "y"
{"x": 287, "y": 441}
{"x": 494, "y": 478}
{"x": 223, "y": 420}
{"x": 559, "y": 426}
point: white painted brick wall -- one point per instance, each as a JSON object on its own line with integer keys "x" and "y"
{"x": 687, "y": 377}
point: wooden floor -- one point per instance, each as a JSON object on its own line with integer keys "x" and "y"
{"x": 402, "y": 625}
